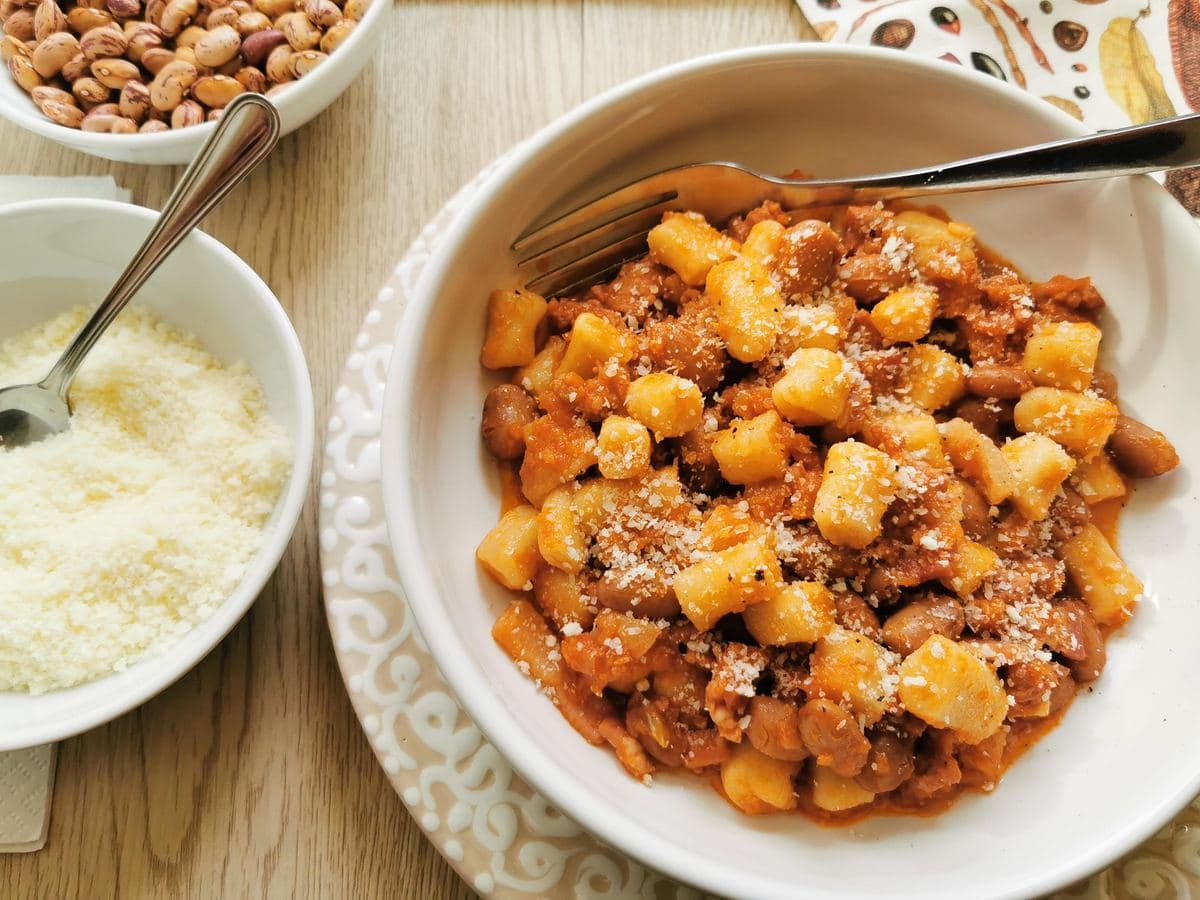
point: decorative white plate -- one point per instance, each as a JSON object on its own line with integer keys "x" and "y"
{"x": 496, "y": 831}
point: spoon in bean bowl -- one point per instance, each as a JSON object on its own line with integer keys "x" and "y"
{"x": 245, "y": 135}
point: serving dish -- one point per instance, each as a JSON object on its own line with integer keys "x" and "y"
{"x": 72, "y": 252}
{"x": 1084, "y": 794}
{"x": 297, "y": 105}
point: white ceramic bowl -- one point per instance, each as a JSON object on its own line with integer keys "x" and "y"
{"x": 71, "y": 253}
{"x": 299, "y": 103}
{"x": 1125, "y": 758}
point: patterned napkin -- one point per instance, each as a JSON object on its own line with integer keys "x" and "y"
{"x": 1108, "y": 63}
{"x": 27, "y": 776}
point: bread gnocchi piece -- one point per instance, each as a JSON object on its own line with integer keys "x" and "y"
{"x": 1080, "y": 423}
{"x": 977, "y": 459}
{"x": 512, "y": 321}
{"x": 749, "y": 308}
{"x": 802, "y": 612}
{"x": 623, "y": 448}
{"x": 810, "y": 326}
{"x": 856, "y": 489}
{"x": 561, "y": 541}
{"x": 908, "y": 434}
{"x": 837, "y": 793}
{"x": 814, "y": 388}
{"x": 762, "y": 241}
{"x": 537, "y": 375}
{"x": 938, "y": 247}
{"x": 752, "y": 450}
{"x": 593, "y": 342}
{"x": 729, "y": 581}
{"x": 1039, "y": 467}
{"x": 523, "y": 634}
{"x": 727, "y": 525}
{"x": 1062, "y": 354}
{"x": 932, "y": 378}
{"x": 944, "y": 684}
{"x": 850, "y": 668}
{"x": 1101, "y": 576}
{"x": 756, "y": 783}
{"x": 509, "y": 552}
{"x": 970, "y": 564}
{"x": 907, "y": 314}
{"x": 687, "y": 244}
{"x": 1098, "y": 480}
{"x": 560, "y": 597}
{"x": 666, "y": 404}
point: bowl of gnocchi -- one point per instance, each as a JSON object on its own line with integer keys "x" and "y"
{"x": 842, "y": 547}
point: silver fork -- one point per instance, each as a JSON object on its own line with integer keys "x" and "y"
{"x": 598, "y": 237}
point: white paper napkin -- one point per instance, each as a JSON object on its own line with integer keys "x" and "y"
{"x": 27, "y": 776}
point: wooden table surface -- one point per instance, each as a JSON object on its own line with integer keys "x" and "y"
{"x": 250, "y": 777}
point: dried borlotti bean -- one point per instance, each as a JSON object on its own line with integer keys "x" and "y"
{"x": 83, "y": 19}
{"x": 186, "y": 114}
{"x": 150, "y": 126}
{"x": 279, "y": 64}
{"x": 19, "y": 25}
{"x": 75, "y": 68}
{"x": 154, "y": 59}
{"x": 171, "y": 85}
{"x": 48, "y": 19}
{"x": 52, "y": 54}
{"x": 334, "y": 37}
{"x": 218, "y": 46}
{"x": 67, "y": 114}
{"x": 251, "y": 79}
{"x": 322, "y": 13}
{"x": 215, "y": 91}
{"x": 104, "y": 122}
{"x": 113, "y": 73}
{"x": 258, "y": 45}
{"x": 89, "y": 90}
{"x": 355, "y": 9}
{"x": 134, "y": 102}
{"x": 305, "y": 61}
{"x": 176, "y": 15}
{"x": 23, "y": 73}
{"x": 45, "y": 93}
{"x": 124, "y": 9}
{"x": 299, "y": 31}
{"x": 105, "y": 42}
{"x": 10, "y": 47}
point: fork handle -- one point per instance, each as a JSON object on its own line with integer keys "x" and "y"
{"x": 1166, "y": 144}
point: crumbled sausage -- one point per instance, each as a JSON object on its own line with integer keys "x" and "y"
{"x": 807, "y": 258}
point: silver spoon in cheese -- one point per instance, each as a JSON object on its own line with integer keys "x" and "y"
{"x": 245, "y": 134}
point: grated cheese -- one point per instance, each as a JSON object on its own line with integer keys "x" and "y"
{"x": 121, "y": 534}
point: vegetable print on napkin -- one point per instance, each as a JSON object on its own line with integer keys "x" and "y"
{"x": 1108, "y": 63}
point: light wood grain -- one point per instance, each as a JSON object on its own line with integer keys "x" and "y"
{"x": 250, "y": 777}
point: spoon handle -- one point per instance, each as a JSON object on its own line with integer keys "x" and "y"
{"x": 245, "y": 134}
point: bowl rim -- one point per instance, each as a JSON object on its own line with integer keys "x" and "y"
{"x": 514, "y": 742}
{"x": 32, "y": 120}
{"x": 173, "y": 666}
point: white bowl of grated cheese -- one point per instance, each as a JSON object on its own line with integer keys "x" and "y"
{"x": 235, "y": 407}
